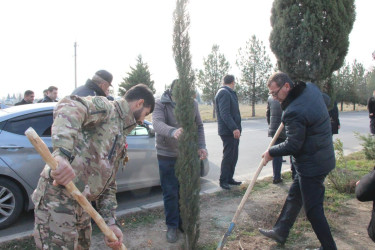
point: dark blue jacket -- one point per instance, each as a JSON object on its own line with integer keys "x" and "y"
{"x": 228, "y": 111}
{"x": 89, "y": 89}
{"x": 308, "y": 131}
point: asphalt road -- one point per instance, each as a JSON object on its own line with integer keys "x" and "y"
{"x": 253, "y": 143}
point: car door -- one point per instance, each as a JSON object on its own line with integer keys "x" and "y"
{"x": 17, "y": 152}
{"x": 142, "y": 168}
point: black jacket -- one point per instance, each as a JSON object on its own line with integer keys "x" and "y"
{"x": 228, "y": 111}
{"x": 22, "y": 102}
{"x": 365, "y": 191}
{"x": 334, "y": 116}
{"x": 371, "y": 106}
{"x": 308, "y": 131}
{"x": 89, "y": 89}
{"x": 273, "y": 115}
{"x": 47, "y": 99}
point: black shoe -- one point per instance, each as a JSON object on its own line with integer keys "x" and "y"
{"x": 273, "y": 235}
{"x": 277, "y": 181}
{"x": 172, "y": 235}
{"x": 233, "y": 182}
{"x": 225, "y": 186}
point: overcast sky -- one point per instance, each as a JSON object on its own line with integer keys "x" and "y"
{"x": 37, "y": 38}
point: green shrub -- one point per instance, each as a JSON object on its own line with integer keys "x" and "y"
{"x": 368, "y": 144}
{"x": 342, "y": 178}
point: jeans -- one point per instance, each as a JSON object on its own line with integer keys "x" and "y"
{"x": 230, "y": 157}
{"x": 170, "y": 188}
{"x": 309, "y": 193}
{"x": 277, "y": 163}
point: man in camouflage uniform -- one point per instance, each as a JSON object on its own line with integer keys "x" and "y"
{"x": 89, "y": 137}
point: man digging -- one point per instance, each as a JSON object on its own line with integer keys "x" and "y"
{"x": 89, "y": 138}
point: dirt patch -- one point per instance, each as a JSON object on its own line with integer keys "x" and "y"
{"x": 261, "y": 210}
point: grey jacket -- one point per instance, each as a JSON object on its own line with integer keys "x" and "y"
{"x": 273, "y": 114}
{"x": 165, "y": 124}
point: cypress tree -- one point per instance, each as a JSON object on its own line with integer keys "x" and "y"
{"x": 311, "y": 38}
{"x": 187, "y": 165}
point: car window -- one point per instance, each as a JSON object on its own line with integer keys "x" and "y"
{"x": 139, "y": 130}
{"x": 2, "y": 124}
{"x": 40, "y": 123}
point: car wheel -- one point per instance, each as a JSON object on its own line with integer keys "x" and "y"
{"x": 11, "y": 202}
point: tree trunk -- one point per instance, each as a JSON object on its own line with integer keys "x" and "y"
{"x": 342, "y": 106}
{"x": 353, "y": 106}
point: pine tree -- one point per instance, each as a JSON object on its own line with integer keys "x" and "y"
{"x": 359, "y": 83}
{"x": 187, "y": 165}
{"x": 211, "y": 77}
{"x": 370, "y": 81}
{"x": 341, "y": 84}
{"x": 311, "y": 38}
{"x": 139, "y": 74}
{"x": 256, "y": 67}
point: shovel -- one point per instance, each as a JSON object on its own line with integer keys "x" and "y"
{"x": 44, "y": 152}
{"x": 248, "y": 190}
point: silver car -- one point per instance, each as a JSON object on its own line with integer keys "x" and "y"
{"x": 20, "y": 164}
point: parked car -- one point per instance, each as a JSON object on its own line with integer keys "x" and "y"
{"x": 20, "y": 164}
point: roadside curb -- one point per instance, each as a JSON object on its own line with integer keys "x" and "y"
{"x": 19, "y": 236}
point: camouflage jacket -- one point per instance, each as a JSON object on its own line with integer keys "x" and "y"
{"x": 93, "y": 130}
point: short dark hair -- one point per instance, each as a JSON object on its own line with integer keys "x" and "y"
{"x": 141, "y": 91}
{"x": 280, "y": 78}
{"x": 52, "y": 88}
{"x": 228, "y": 79}
{"x": 28, "y": 92}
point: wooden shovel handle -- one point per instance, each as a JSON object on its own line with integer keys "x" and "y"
{"x": 247, "y": 193}
{"x": 44, "y": 152}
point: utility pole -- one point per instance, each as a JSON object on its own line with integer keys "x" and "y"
{"x": 75, "y": 65}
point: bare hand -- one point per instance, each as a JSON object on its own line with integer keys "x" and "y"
{"x": 64, "y": 172}
{"x": 266, "y": 158}
{"x": 178, "y": 133}
{"x": 115, "y": 244}
{"x": 202, "y": 153}
{"x": 236, "y": 134}
{"x": 357, "y": 183}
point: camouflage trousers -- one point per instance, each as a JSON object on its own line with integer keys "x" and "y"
{"x": 60, "y": 222}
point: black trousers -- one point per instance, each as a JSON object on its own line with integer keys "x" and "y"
{"x": 372, "y": 125}
{"x": 230, "y": 157}
{"x": 309, "y": 193}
